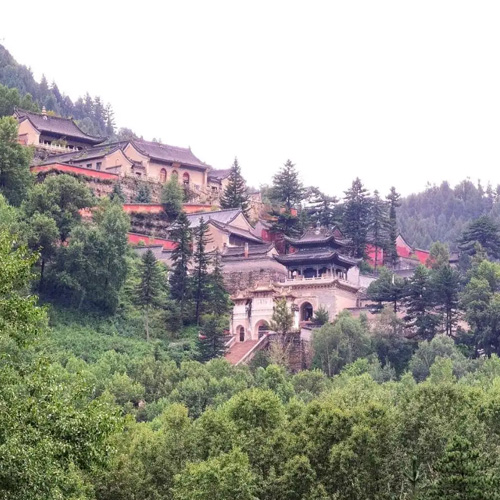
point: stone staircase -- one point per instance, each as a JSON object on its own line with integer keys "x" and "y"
{"x": 239, "y": 350}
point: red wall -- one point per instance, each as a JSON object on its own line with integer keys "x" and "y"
{"x": 150, "y": 208}
{"x": 135, "y": 238}
{"x": 193, "y": 208}
{"x": 370, "y": 253}
{"x": 155, "y": 208}
{"x": 422, "y": 256}
{"x": 76, "y": 170}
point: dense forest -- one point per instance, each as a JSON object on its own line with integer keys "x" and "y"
{"x": 440, "y": 213}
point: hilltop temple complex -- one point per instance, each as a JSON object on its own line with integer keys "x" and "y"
{"x": 316, "y": 273}
{"x": 59, "y": 142}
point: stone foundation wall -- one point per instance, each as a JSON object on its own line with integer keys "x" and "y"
{"x": 243, "y": 274}
{"x": 150, "y": 224}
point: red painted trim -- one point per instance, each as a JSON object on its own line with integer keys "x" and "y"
{"x": 135, "y": 238}
{"x": 150, "y": 208}
{"x": 60, "y": 167}
{"x": 192, "y": 208}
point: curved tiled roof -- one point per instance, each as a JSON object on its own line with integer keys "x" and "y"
{"x": 320, "y": 256}
{"x": 317, "y": 236}
{"x": 218, "y": 174}
{"x": 169, "y": 154}
{"x": 222, "y": 216}
{"x": 84, "y": 154}
{"x": 253, "y": 250}
{"x": 55, "y": 125}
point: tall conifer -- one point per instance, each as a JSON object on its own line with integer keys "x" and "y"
{"x": 391, "y": 254}
{"x": 150, "y": 286}
{"x": 219, "y": 303}
{"x": 212, "y": 341}
{"x": 181, "y": 258}
{"x": 378, "y": 226}
{"x": 235, "y": 193}
{"x": 287, "y": 189}
{"x": 201, "y": 261}
{"x": 356, "y": 218}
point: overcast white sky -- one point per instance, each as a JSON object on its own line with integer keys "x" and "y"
{"x": 395, "y": 92}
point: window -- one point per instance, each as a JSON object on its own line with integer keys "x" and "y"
{"x": 185, "y": 178}
{"x": 175, "y": 173}
{"x": 163, "y": 175}
{"x": 98, "y": 165}
{"x": 89, "y": 165}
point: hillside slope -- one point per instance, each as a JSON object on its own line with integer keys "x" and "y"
{"x": 440, "y": 213}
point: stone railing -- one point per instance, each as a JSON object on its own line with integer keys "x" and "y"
{"x": 56, "y": 147}
{"x": 230, "y": 342}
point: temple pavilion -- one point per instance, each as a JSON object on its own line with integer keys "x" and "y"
{"x": 318, "y": 253}
{"x": 318, "y": 273}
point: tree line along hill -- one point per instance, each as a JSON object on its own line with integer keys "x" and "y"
{"x": 18, "y": 87}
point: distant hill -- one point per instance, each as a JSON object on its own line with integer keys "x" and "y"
{"x": 91, "y": 114}
{"x": 440, "y": 213}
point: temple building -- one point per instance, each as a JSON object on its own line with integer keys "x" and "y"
{"x": 52, "y": 133}
{"x": 318, "y": 253}
{"x": 317, "y": 274}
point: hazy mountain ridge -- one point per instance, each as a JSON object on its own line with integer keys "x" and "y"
{"x": 91, "y": 113}
{"x": 440, "y": 213}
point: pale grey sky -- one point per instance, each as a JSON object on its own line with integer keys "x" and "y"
{"x": 395, "y": 92}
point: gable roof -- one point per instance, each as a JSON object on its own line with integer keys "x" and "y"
{"x": 236, "y": 231}
{"x": 222, "y": 216}
{"x": 85, "y": 154}
{"x": 317, "y": 236}
{"x": 218, "y": 174}
{"x": 55, "y": 125}
{"x": 253, "y": 250}
{"x": 168, "y": 154}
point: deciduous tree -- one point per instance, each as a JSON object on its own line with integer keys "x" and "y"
{"x": 15, "y": 176}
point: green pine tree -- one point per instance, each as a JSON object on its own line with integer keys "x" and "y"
{"x": 181, "y": 258}
{"x": 218, "y": 303}
{"x": 444, "y": 285}
{"x": 378, "y": 226}
{"x": 388, "y": 288}
{"x": 462, "y": 474}
{"x": 485, "y": 231}
{"x": 172, "y": 197}
{"x": 201, "y": 260}
{"x": 117, "y": 192}
{"x": 356, "y": 218}
{"x": 235, "y": 193}
{"x": 287, "y": 189}
{"x": 143, "y": 194}
{"x": 418, "y": 301}
{"x": 149, "y": 288}
{"x": 211, "y": 340}
{"x": 323, "y": 210}
{"x": 391, "y": 254}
